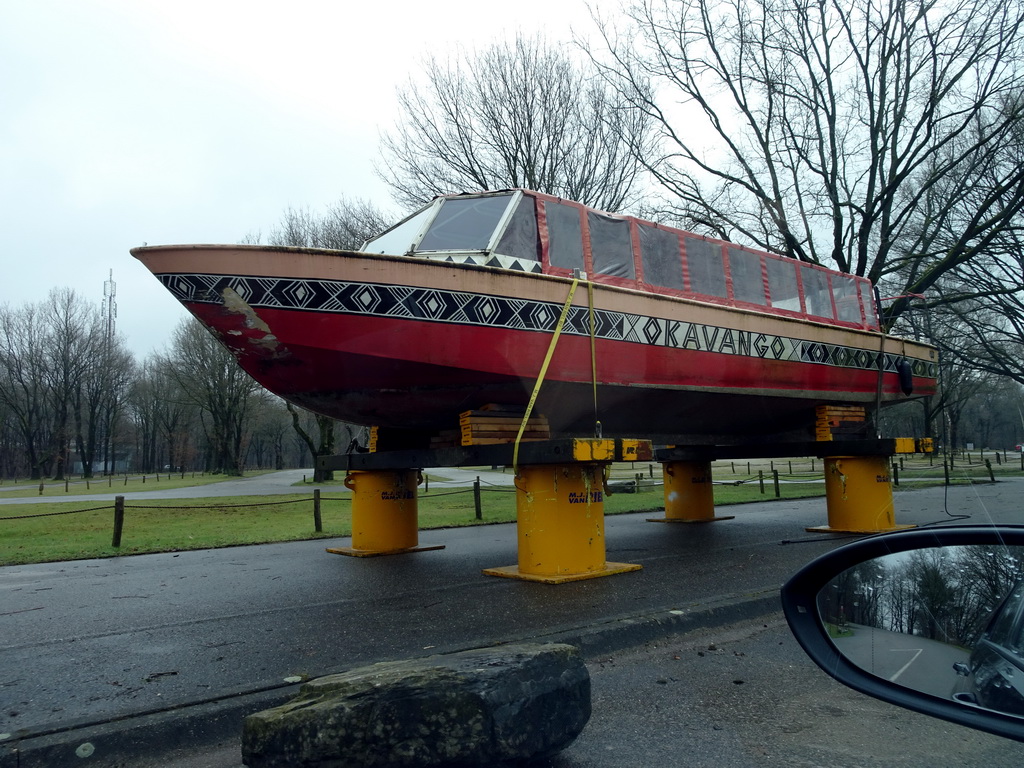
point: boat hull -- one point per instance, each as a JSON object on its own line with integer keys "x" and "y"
{"x": 408, "y": 344}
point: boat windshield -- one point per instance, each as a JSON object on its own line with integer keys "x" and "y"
{"x": 399, "y": 240}
{"x": 465, "y": 224}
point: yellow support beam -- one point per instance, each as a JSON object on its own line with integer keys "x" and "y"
{"x": 384, "y": 513}
{"x": 593, "y": 449}
{"x": 635, "y": 450}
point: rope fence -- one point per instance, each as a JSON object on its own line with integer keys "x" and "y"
{"x": 54, "y": 514}
{"x": 120, "y": 507}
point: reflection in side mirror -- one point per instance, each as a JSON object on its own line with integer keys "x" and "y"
{"x": 932, "y": 620}
{"x": 942, "y": 621}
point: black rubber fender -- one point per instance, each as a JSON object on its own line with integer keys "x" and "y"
{"x": 906, "y": 372}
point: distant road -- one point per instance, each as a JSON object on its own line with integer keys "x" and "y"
{"x": 273, "y": 483}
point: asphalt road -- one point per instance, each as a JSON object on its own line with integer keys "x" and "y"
{"x": 99, "y": 643}
{"x": 915, "y": 662}
{"x": 736, "y": 696}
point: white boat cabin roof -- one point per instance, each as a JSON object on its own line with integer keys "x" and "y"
{"x": 538, "y": 233}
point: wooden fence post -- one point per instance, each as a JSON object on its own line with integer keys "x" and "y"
{"x": 118, "y": 521}
{"x": 318, "y": 523}
{"x": 476, "y": 499}
{"x": 778, "y": 490}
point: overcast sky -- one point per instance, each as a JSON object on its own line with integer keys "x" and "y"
{"x": 125, "y": 122}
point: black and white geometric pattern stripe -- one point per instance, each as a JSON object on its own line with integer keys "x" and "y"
{"x": 461, "y": 307}
{"x": 487, "y": 260}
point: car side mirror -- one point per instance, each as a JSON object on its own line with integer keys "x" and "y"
{"x": 928, "y": 619}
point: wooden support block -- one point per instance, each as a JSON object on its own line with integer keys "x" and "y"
{"x": 840, "y": 421}
{"x": 466, "y": 429}
{"x": 501, "y": 425}
{"x": 499, "y": 440}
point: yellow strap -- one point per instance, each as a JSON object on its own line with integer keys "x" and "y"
{"x": 593, "y": 355}
{"x": 540, "y": 377}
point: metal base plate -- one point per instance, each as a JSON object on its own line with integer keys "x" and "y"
{"x": 351, "y": 552}
{"x": 513, "y": 572}
{"x": 683, "y": 520}
{"x": 827, "y": 529}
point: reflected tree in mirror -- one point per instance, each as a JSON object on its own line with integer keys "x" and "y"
{"x": 944, "y": 621}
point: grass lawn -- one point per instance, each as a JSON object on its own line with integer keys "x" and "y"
{"x": 837, "y": 631}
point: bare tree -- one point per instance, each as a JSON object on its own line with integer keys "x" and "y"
{"x": 23, "y": 374}
{"x": 100, "y": 395}
{"x": 211, "y": 379}
{"x": 993, "y": 340}
{"x": 833, "y": 132}
{"x": 345, "y": 226}
{"x": 518, "y": 114}
{"x": 992, "y": 418}
{"x": 56, "y": 376}
{"x": 324, "y": 446}
{"x": 990, "y": 573}
{"x": 74, "y": 339}
{"x": 978, "y": 303}
{"x": 268, "y": 446}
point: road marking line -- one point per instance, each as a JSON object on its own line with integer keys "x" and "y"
{"x": 904, "y": 667}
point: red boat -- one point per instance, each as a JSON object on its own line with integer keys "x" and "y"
{"x": 682, "y": 337}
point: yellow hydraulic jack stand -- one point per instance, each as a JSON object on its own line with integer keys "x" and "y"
{"x": 384, "y": 513}
{"x": 858, "y": 495}
{"x": 689, "y": 493}
{"x": 560, "y": 523}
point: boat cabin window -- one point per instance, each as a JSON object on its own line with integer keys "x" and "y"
{"x": 399, "y": 240}
{"x": 565, "y": 236}
{"x": 659, "y": 253}
{"x": 844, "y": 290}
{"x": 610, "y": 246}
{"x": 671, "y": 261}
{"x": 520, "y": 239}
{"x": 747, "y": 279}
{"x": 704, "y": 261}
{"x": 782, "y": 284}
{"x": 819, "y": 299}
{"x": 464, "y": 224}
{"x": 867, "y": 301}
